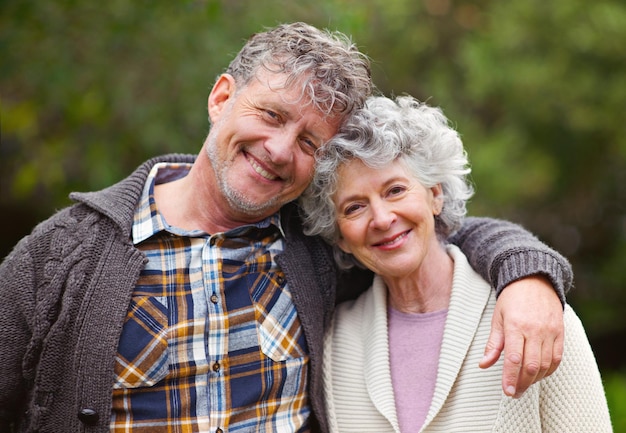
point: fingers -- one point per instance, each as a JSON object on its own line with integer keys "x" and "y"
{"x": 527, "y": 360}
{"x": 495, "y": 343}
{"x": 550, "y": 357}
{"x": 522, "y": 362}
{"x": 557, "y": 352}
{"x": 527, "y": 326}
{"x": 513, "y": 350}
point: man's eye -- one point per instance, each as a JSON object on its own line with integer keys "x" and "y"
{"x": 309, "y": 146}
{"x": 272, "y": 114}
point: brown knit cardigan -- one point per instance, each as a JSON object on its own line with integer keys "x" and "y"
{"x": 66, "y": 287}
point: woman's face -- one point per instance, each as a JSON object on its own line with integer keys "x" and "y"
{"x": 386, "y": 217}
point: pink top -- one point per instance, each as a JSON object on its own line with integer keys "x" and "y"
{"x": 414, "y": 345}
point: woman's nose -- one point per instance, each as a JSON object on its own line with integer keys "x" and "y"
{"x": 383, "y": 216}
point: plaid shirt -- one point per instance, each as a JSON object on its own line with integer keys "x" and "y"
{"x": 212, "y": 341}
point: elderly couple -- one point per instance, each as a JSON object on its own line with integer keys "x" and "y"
{"x": 199, "y": 293}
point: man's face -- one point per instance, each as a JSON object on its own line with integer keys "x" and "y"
{"x": 262, "y": 143}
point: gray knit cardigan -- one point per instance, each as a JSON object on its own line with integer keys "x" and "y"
{"x": 66, "y": 287}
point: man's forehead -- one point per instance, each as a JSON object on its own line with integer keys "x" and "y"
{"x": 297, "y": 91}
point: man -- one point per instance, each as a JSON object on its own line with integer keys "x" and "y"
{"x": 186, "y": 298}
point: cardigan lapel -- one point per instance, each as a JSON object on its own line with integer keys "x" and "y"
{"x": 311, "y": 277}
{"x": 470, "y": 294}
{"x": 375, "y": 339}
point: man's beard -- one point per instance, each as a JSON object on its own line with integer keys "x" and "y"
{"x": 237, "y": 200}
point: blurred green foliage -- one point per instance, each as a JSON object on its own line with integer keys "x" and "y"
{"x": 89, "y": 90}
{"x": 615, "y": 386}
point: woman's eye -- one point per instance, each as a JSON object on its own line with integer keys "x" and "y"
{"x": 351, "y": 209}
{"x": 396, "y": 190}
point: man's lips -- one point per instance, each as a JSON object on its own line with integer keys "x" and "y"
{"x": 259, "y": 169}
{"x": 392, "y": 240}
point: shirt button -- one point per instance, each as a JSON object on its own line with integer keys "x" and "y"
{"x": 214, "y": 298}
{"x": 216, "y": 367}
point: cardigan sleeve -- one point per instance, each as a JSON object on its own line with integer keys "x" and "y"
{"x": 503, "y": 252}
{"x": 16, "y": 314}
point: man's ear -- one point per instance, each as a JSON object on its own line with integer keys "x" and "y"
{"x": 222, "y": 91}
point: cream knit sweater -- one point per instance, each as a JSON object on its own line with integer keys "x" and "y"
{"x": 358, "y": 385}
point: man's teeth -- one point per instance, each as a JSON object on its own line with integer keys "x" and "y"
{"x": 261, "y": 171}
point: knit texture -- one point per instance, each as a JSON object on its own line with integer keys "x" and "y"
{"x": 358, "y": 385}
{"x": 66, "y": 289}
{"x": 503, "y": 253}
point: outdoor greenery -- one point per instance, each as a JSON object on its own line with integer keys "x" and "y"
{"x": 89, "y": 90}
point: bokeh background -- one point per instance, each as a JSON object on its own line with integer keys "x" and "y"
{"x": 537, "y": 89}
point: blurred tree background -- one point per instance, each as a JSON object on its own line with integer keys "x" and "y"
{"x": 537, "y": 89}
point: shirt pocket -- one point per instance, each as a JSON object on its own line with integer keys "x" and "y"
{"x": 280, "y": 333}
{"x": 142, "y": 357}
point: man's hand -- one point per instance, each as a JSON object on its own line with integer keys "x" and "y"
{"x": 527, "y": 325}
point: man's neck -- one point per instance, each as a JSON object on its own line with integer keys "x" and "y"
{"x": 192, "y": 203}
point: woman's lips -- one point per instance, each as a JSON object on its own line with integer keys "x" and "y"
{"x": 392, "y": 240}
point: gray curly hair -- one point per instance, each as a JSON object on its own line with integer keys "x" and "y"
{"x": 384, "y": 131}
{"x": 333, "y": 73}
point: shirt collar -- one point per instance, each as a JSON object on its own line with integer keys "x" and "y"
{"x": 148, "y": 221}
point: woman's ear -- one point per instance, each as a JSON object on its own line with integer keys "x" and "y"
{"x": 343, "y": 246}
{"x": 222, "y": 91}
{"x": 437, "y": 192}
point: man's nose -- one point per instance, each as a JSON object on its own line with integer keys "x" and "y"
{"x": 280, "y": 147}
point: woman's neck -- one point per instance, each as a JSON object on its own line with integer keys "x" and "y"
{"x": 426, "y": 290}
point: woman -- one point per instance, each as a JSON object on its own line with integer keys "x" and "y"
{"x": 388, "y": 191}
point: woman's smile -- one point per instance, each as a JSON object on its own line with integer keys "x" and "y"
{"x": 394, "y": 241}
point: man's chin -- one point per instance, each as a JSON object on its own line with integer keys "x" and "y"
{"x": 254, "y": 209}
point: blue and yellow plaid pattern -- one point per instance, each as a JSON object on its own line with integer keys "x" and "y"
{"x": 212, "y": 341}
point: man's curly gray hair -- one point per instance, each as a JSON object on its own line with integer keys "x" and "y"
{"x": 332, "y": 72}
